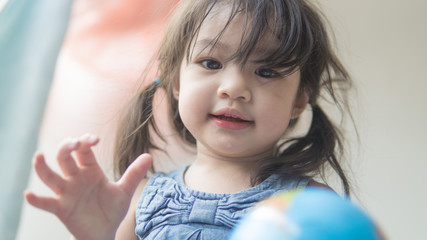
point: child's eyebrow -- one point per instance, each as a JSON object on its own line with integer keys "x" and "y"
{"x": 207, "y": 42}
{"x": 264, "y": 51}
{"x": 210, "y": 44}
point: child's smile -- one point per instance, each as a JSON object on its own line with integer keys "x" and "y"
{"x": 231, "y": 119}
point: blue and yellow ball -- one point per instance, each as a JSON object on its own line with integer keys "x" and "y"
{"x": 306, "y": 214}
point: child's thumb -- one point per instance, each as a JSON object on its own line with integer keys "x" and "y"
{"x": 135, "y": 173}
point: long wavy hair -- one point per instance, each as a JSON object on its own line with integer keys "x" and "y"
{"x": 304, "y": 45}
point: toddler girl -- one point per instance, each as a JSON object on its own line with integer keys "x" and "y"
{"x": 237, "y": 75}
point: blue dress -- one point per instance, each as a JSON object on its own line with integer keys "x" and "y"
{"x": 168, "y": 209}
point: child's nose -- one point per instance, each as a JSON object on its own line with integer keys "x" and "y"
{"x": 234, "y": 86}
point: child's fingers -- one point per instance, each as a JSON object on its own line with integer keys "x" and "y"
{"x": 84, "y": 153}
{"x": 45, "y": 203}
{"x": 135, "y": 173}
{"x": 49, "y": 177}
{"x": 65, "y": 160}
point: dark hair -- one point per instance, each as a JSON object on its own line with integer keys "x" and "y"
{"x": 304, "y": 45}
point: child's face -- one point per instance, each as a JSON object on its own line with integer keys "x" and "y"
{"x": 233, "y": 111}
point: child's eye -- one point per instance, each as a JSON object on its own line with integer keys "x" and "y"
{"x": 267, "y": 73}
{"x": 211, "y": 64}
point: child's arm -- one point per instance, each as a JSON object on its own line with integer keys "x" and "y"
{"x": 126, "y": 229}
{"x": 87, "y": 203}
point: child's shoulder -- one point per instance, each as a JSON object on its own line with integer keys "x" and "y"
{"x": 313, "y": 183}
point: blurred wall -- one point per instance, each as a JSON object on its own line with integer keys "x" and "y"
{"x": 383, "y": 43}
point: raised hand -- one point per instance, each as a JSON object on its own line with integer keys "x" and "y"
{"x": 88, "y": 204}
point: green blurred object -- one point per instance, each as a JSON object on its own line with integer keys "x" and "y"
{"x": 31, "y": 35}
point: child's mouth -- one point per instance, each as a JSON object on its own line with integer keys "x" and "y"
{"x": 229, "y": 118}
{"x": 230, "y": 122}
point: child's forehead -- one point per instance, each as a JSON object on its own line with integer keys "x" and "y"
{"x": 247, "y": 31}
{"x": 221, "y": 45}
{"x": 225, "y": 31}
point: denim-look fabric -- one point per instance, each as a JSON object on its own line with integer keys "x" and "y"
{"x": 170, "y": 210}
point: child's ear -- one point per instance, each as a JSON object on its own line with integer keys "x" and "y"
{"x": 300, "y": 103}
{"x": 175, "y": 86}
